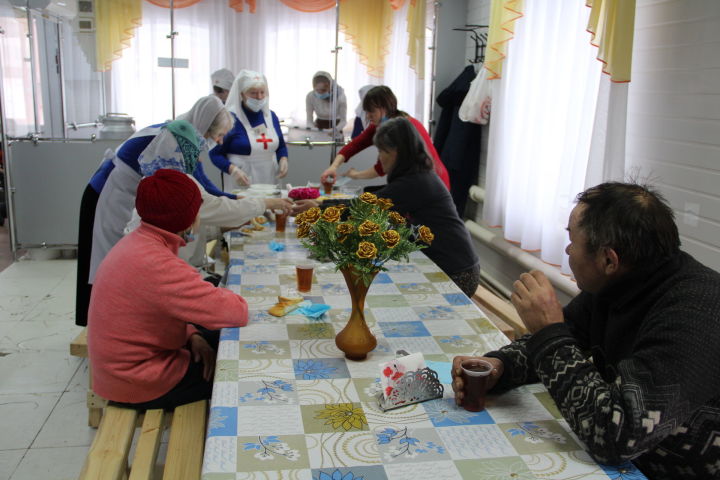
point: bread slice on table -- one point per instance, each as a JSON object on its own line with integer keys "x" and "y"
{"x": 285, "y": 305}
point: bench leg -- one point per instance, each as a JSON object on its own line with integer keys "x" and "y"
{"x": 95, "y": 404}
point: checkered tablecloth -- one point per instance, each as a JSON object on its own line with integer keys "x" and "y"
{"x": 287, "y": 405}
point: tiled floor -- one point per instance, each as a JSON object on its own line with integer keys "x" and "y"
{"x": 43, "y": 418}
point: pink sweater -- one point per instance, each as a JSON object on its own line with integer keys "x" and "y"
{"x": 143, "y": 299}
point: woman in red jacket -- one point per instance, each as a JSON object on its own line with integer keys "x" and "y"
{"x": 380, "y": 104}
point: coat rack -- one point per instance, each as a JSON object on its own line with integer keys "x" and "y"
{"x": 480, "y": 40}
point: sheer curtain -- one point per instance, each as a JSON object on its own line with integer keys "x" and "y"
{"x": 288, "y": 46}
{"x": 16, "y": 72}
{"x": 544, "y": 111}
{"x": 83, "y": 85}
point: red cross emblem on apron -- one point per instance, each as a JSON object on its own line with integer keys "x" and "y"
{"x": 264, "y": 141}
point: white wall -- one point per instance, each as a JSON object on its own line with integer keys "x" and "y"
{"x": 673, "y": 128}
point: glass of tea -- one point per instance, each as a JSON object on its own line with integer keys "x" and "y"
{"x": 280, "y": 220}
{"x": 304, "y": 277}
{"x": 475, "y": 374}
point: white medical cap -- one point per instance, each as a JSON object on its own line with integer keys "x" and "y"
{"x": 222, "y": 78}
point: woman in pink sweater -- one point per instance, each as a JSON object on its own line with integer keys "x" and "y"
{"x": 144, "y": 350}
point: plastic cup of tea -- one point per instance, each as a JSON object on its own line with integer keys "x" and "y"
{"x": 328, "y": 187}
{"x": 475, "y": 374}
{"x": 304, "y": 276}
{"x": 280, "y": 220}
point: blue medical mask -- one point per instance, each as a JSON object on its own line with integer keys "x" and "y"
{"x": 383, "y": 119}
{"x": 254, "y": 104}
{"x": 189, "y": 236}
{"x": 322, "y": 96}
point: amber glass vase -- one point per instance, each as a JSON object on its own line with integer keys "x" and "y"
{"x": 356, "y": 340}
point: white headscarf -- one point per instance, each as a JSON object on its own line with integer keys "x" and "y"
{"x": 203, "y": 113}
{"x": 244, "y": 81}
{"x": 359, "y": 112}
{"x": 328, "y": 78}
{"x": 222, "y": 78}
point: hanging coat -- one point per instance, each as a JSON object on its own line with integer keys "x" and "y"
{"x": 458, "y": 142}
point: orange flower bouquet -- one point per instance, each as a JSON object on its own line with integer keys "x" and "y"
{"x": 371, "y": 235}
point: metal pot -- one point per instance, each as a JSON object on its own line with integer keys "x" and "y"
{"x": 116, "y": 126}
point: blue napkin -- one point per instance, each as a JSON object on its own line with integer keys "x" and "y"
{"x": 276, "y": 246}
{"x": 312, "y": 310}
{"x": 442, "y": 368}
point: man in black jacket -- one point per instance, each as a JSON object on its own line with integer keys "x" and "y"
{"x": 633, "y": 361}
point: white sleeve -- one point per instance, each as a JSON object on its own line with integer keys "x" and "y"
{"x": 133, "y": 223}
{"x": 226, "y": 212}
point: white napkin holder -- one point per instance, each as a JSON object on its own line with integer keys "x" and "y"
{"x": 414, "y": 386}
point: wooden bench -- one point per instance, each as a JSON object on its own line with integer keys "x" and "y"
{"x": 108, "y": 456}
{"x": 501, "y": 312}
{"x": 95, "y": 403}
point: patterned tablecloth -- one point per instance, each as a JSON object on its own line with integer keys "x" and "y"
{"x": 287, "y": 405}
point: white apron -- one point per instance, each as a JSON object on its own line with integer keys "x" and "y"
{"x": 261, "y": 165}
{"x": 114, "y": 210}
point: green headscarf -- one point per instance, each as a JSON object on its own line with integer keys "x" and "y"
{"x": 188, "y": 141}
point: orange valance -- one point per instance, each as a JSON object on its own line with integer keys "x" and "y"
{"x": 176, "y": 3}
{"x": 309, "y": 6}
{"x": 236, "y": 5}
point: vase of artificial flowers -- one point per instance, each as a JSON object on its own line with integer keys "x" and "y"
{"x": 359, "y": 242}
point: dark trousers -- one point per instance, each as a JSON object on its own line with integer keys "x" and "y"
{"x": 191, "y": 388}
{"x": 85, "y": 233}
{"x": 460, "y": 183}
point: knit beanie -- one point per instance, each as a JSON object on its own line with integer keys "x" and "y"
{"x": 168, "y": 199}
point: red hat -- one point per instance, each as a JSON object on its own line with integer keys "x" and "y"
{"x": 168, "y": 199}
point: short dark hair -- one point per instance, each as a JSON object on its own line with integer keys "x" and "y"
{"x": 400, "y": 135}
{"x": 634, "y": 220}
{"x": 382, "y": 97}
{"x": 217, "y": 89}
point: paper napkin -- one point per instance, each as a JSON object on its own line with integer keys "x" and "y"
{"x": 391, "y": 372}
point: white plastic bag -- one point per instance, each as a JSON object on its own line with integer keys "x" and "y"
{"x": 477, "y": 104}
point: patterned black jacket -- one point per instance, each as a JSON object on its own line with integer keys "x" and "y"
{"x": 635, "y": 370}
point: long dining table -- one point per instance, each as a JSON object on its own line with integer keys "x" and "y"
{"x": 287, "y": 404}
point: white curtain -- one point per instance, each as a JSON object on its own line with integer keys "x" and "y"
{"x": 83, "y": 85}
{"x": 288, "y": 46}
{"x": 607, "y": 150}
{"x": 16, "y": 73}
{"x": 552, "y": 128}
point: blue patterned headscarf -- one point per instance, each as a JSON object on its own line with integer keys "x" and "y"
{"x": 179, "y": 143}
